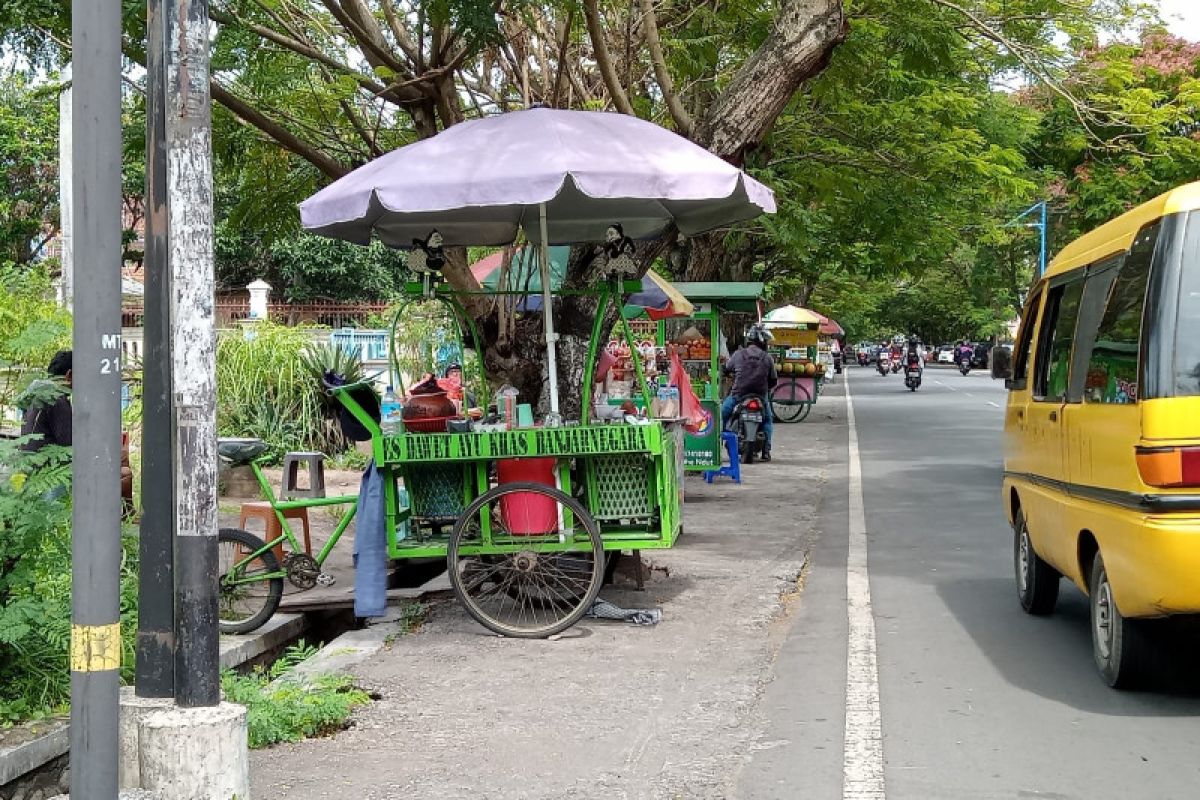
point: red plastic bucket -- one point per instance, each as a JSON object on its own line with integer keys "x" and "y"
{"x": 527, "y": 513}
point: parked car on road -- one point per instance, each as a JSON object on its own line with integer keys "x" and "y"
{"x": 945, "y": 354}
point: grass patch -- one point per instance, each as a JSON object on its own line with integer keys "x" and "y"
{"x": 287, "y": 711}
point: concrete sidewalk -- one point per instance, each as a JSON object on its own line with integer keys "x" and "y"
{"x": 610, "y": 710}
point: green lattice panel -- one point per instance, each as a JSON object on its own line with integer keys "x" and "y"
{"x": 436, "y": 491}
{"x": 622, "y": 486}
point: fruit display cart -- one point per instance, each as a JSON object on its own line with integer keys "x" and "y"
{"x": 697, "y": 340}
{"x": 796, "y": 346}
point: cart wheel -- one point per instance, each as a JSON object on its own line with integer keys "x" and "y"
{"x": 793, "y": 409}
{"x": 531, "y": 581}
{"x": 247, "y": 597}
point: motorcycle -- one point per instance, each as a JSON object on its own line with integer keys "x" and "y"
{"x": 884, "y": 364}
{"x": 747, "y": 422}
{"x": 912, "y": 375}
{"x": 837, "y": 362}
{"x": 864, "y": 358}
{"x": 897, "y": 363}
{"x": 964, "y": 364}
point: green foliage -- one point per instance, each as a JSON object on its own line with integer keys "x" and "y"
{"x": 28, "y": 168}
{"x": 35, "y": 584}
{"x": 289, "y": 711}
{"x": 269, "y": 387}
{"x": 308, "y": 267}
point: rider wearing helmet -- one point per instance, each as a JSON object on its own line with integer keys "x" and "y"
{"x": 754, "y": 375}
{"x": 916, "y": 353}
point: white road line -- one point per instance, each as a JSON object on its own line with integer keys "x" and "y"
{"x": 862, "y": 759}
{"x": 996, "y": 405}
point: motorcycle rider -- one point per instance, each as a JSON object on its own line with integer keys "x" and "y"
{"x": 916, "y": 352}
{"x": 753, "y": 372}
{"x": 964, "y": 351}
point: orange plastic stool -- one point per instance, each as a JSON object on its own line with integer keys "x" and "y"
{"x": 259, "y": 509}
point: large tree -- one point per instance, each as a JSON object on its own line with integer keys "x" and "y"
{"x": 314, "y": 88}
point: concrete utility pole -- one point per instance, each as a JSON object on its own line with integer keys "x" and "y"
{"x": 156, "y": 578}
{"x": 96, "y": 523}
{"x": 193, "y": 337}
{"x": 66, "y": 212}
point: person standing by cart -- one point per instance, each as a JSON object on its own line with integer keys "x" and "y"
{"x": 754, "y": 375}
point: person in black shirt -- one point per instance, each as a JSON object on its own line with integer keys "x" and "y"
{"x": 754, "y": 374}
{"x": 47, "y": 407}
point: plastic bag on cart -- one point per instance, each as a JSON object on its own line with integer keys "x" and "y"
{"x": 695, "y": 417}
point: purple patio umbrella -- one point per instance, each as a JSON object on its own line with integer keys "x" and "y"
{"x": 561, "y": 176}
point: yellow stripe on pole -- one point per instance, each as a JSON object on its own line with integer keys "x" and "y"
{"x": 95, "y": 648}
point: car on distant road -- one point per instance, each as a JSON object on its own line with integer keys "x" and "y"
{"x": 945, "y": 355}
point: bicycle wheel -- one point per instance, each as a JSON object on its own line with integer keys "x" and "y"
{"x": 247, "y": 596}
{"x": 533, "y": 581}
{"x": 793, "y": 408}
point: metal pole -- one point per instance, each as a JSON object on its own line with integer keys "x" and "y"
{"x": 1045, "y": 233}
{"x": 96, "y": 399}
{"x": 67, "y": 258}
{"x": 548, "y": 311}
{"x": 193, "y": 357}
{"x": 156, "y": 577}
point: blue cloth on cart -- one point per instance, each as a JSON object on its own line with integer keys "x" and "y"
{"x": 370, "y": 546}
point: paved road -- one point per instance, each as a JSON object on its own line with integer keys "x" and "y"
{"x": 977, "y": 699}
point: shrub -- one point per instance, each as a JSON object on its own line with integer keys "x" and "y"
{"x": 287, "y": 711}
{"x": 266, "y": 389}
{"x": 35, "y": 585}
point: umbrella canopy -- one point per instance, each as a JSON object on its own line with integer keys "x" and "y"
{"x": 480, "y": 181}
{"x": 829, "y": 327}
{"x": 657, "y": 294}
{"x": 792, "y": 315}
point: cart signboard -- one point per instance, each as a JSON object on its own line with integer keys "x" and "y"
{"x": 793, "y": 337}
{"x": 702, "y": 449}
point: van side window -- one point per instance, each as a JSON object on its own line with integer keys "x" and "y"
{"x": 1112, "y": 371}
{"x": 1096, "y": 293}
{"x": 1055, "y": 343}
{"x": 1024, "y": 347}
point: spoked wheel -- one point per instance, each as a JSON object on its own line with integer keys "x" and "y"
{"x": 790, "y": 402}
{"x": 247, "y": 597}
{"x": 531, "y": 578}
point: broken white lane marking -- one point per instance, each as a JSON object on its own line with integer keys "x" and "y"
{"x": 994, "y": 405}
{"x": 862, "y": 753}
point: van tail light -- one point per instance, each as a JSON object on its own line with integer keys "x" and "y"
{"x": 754, "y": 405}
{"x": 1169, "y": 467}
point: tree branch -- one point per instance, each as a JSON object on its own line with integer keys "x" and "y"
{"x": 604, "y": 60}
{"x": 683, "y": 120}
{"x": 285, "y": 138}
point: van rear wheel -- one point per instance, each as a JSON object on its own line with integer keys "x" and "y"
{"x": 1037, "y": 581}
{"x": 1123, "y": 653}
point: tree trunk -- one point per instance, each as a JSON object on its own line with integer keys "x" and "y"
{"x": 799, "y": 46}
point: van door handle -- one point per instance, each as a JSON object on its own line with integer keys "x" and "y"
{"x": 1054, "y": 416}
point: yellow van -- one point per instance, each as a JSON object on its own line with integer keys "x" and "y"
{"x": 1102, "y": 429}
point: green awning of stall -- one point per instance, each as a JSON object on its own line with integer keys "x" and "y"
{"x": 737, "y": 296}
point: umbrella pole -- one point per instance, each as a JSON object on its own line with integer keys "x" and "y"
{"x": 548, "y": 311}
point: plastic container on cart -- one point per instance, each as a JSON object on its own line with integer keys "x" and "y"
{"x": 390, "y": 414}
{"x": 528, "y": 514}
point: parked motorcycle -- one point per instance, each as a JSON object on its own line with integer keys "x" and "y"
{"x": 747, "y": 422}
{"x": 912, "y": 374}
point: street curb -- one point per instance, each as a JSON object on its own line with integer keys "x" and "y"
{"x": 344, "y": 652}
{"x": 23, "y": 758}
